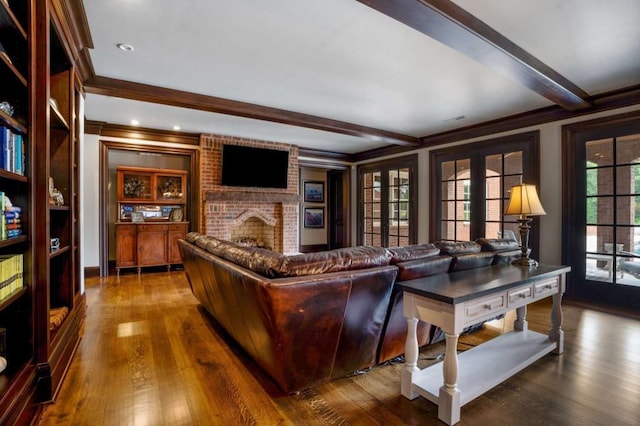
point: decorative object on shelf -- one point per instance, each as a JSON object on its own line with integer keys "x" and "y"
{"x": 313, "y": 217}
{"x": 171, "y": 188}
{"x": 176, "y": 215}
{"x": 137, "y": 217}
{"x": 313, "y": 192}
{"x": 3, "y": 349}
{"x": 524, "y": 202}
{"x": 133, "y": 188}
{"x": 6, "y": 108}
{"x": 55, "y": 196}
{"x": 54, "y": 243}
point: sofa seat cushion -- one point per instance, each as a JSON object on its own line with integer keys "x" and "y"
{"x": 344, "y": 259}
{"x": 412, "y": 252}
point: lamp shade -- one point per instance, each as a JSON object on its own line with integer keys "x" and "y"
{"x": 524, "y": 201}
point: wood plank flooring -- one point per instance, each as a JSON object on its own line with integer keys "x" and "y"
{"x": 150, "y": 356}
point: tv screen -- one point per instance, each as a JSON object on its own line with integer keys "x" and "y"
{"x": 254, "y": 167}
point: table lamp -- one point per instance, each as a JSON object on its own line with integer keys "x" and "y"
{"x": 524, "y": 202}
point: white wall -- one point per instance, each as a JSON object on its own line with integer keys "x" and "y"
{"x": 550, "y": 183}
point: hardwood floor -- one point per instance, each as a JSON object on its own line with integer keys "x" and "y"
{"x": 150, "y": 356}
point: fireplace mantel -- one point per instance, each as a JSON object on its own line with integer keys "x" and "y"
{"x": 240, "y": 196}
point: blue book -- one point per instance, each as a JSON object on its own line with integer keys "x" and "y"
{"x": 3, "y": 146}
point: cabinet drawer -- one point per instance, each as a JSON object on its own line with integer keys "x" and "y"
{"x": 546, "y": 288}
{"x": 126, "y": 228}
{"x": 486, "y": 307}
{"x": 178, "y": 227}
{"x": 152, "y": 228}
{"x": 520, "y": 295}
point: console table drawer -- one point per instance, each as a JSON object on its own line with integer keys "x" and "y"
{"x": 546, "y": 288}
{"x": 485, "y": 307}
{"x": 520, "y": 295}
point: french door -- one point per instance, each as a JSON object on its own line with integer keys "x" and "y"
{"x": 387, "y": 205}
{"x": 602, "y": 220}
{"x": 470, "y": 187}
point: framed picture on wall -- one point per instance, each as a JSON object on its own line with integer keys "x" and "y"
{"x": 314, "y": 217}
{"x": 313, "y": 192}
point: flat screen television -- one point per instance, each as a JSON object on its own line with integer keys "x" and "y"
{"x": 254, "y": 167}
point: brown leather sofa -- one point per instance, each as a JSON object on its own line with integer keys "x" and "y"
{"x": 309, "y": 318}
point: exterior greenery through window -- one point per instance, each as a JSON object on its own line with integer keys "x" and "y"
{"x": 470, "y": 187}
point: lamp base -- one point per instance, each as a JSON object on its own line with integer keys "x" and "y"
{"x": 525, "y": 261}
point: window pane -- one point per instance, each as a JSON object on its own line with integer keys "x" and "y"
{"x": 447, "y": 230}
{"x": 463, "y": 166}
{"x": 628, "y": 149}
{"x": 448, "y": 190}
{"x": 597, "y": 236}
{"x": 492, "y": 230}
{"x": 600, "y": 181}
{"x": 627, "y": 212}
{"x": 448, "y": 210}
{"x": 599, "y": 153}
{"x": 510, "y": 181}
{"x": 493, "y": 165}
{"x": 494, "y": 187}
{"x": 513, "y": 163}
{"x": 604, "y": 210}
{"x": 448, "y": 170}
{"x": 463, "y": 232}
{"x": 460, "y": 209}
{"x": 628, "y": 180}
{"x": 494, "y": 210}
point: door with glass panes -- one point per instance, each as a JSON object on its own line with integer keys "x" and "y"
{"x": 603, "y": 218}
{"x": 387, "y": 194}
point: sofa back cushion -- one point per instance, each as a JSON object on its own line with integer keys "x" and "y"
{"x": 344, "y": 259}
{"x": 458, "y": 247}
{"x": 412, "y": 252}
{"x": 497, "y": 244}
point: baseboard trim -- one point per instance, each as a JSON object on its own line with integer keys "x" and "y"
{"x": 91, "y": 271}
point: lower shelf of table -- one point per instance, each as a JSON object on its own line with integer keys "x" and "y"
{"x": 487, "y": 365}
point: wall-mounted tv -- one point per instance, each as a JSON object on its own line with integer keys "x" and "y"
{"x": 254, "y": 167}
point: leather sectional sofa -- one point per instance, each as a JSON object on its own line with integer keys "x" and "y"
{"x": 309, "y": 318}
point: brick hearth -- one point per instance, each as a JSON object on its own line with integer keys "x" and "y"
{"x": 225, "y": 208}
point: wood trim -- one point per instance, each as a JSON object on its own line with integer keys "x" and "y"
{"x": 143, "y": 92}
{"x": 604, "y": 102}
{"x": 193, "y": 183}
{"x": 91, "y": 271}
{"x": 129, "y": 132}
{"x": 75, "y": 15}
{"x": 453, "y": 26}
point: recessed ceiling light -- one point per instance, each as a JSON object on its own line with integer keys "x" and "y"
{"x": 176, "y": 127}
{"x": 125, "y": 46}
{"x": 134, "y": 122}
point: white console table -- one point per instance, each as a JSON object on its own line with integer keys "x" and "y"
{"x": 459, "y": 299}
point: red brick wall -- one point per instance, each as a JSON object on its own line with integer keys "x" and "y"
{"x": 221, "y": 205}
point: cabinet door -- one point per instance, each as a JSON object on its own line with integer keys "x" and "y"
{"x": 171, "y": 187}
{"x": 152, "y": 245}
{"x": 176, "y": 232}
{"x": 125, "y": 245}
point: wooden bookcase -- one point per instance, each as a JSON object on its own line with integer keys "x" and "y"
{"x": 155, "y": 196}
{"x": 39, "y": 66}
{"x": 17, "y": 392}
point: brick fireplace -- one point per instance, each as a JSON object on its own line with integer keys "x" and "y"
{"x": 268, "y": 216}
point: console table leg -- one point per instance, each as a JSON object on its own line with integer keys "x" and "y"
{"x": 410, "y": 360}
{"x": 556, "y": 334}
{"x": 449, "y": 396}
{"x": 521, "y": 324}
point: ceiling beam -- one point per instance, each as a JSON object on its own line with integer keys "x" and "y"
{"x": 161, "y": 95}
{"x": 453, "y": 26}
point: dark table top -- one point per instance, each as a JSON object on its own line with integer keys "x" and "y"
{"x": 458, "y": 287}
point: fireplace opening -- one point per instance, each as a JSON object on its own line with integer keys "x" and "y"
{"x": 254, "y": 232}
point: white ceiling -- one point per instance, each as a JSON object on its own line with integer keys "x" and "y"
{"x": 342, "y": 60}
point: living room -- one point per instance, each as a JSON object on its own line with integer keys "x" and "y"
{"x": 352, "y": 90}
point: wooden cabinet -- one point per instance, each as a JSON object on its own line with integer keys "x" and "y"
{"x": 148, "y": 244}
{"x": 151, "y": 206}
